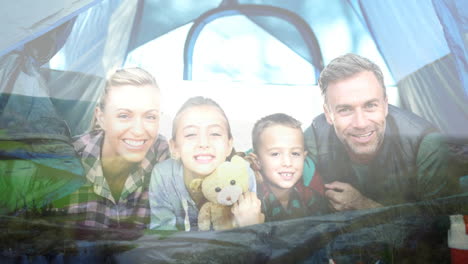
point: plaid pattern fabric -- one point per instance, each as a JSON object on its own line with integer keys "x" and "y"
{"x": 303, "y": 201}
{"x": 93, "y": 204}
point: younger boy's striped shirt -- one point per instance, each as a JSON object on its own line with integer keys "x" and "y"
{"x": 307, "y": 196}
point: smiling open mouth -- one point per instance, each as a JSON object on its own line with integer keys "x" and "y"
{"x": 363, "y": 138}
{"x": 286, "y": 175}
{"x": 363, "y": 135}
{"x": 134, "y": 143}
{"x": 204, "y": 158}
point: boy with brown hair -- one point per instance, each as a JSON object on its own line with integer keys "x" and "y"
{"x": 278, "y": 156}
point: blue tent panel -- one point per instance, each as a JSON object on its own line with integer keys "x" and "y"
{"x": 24, "y": 20}
{"x": 454, "y": 17}
{"x": 408, "y": 33}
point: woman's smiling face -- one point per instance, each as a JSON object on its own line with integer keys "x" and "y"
{"x": 130, "y": 120}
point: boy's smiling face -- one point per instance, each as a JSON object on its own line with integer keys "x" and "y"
{"x": 281, "y": 156}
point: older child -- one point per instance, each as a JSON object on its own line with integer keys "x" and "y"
{"x": 201, "y": 141}
{"x": 278, "y": 154}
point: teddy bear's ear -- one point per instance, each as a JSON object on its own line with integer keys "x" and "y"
{"x": 239, "y": 162}
{"x": 196, "y": 185}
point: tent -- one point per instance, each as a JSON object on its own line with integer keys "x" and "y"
{"x": 55, "y": 56}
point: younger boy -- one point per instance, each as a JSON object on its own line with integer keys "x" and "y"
{"x": 278, "y": 155}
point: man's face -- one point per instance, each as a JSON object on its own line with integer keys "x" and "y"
{"x": 357, "y": 108}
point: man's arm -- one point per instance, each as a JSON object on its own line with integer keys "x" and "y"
{"x": 343, "y": 196}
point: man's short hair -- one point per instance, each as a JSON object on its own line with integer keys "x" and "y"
{"x": 346, "y": 66}
{"x": 271, "y": 120}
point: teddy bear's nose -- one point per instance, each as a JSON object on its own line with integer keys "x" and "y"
{"x": 228, "y": 198}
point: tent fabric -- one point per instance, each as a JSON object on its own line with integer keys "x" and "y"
{"x": 415, "y": 50}
{"x": 27, "y": 20}
{"x": 321, "y": 15}
{"x": 159, "y": 17}
{"x": 73, "y": 92}
{"x": 336, "y": 25}
{"x": 41, "y": 107}
{"x": 406, "y": 233}
{"x": 435, "y": 93}
{"x": 37, "y": 161}
{"x": 453, "y": 16}
{"x": 286, "y": 26}
{"x": 96, "y": 45}
{"x": 99, "y": 39}
{"x": 409, "y": 37}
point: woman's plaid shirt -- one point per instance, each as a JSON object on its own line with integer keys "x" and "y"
{"x": 93, "y": 205}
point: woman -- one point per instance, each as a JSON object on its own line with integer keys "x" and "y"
{"x": 118, "y": 154}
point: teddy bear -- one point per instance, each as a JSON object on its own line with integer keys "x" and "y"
{"x": 222, "y": 189}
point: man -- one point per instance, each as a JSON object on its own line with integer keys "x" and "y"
{"x": 370, "y": 153}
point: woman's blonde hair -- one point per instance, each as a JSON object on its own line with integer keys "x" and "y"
{"x": 128, "y": 76}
